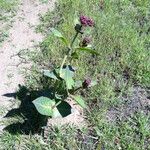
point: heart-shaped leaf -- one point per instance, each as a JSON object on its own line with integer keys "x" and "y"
{"x": 67, "y": 74}
{"x": 55, "y": 109}
{"x": 44, "y": 105}
{"x": 80, "y": 101}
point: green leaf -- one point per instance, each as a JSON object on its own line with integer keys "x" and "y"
{"x": 80, "y": 101}
{"x": 65, "y": 41}
{"x": 75, "y": 55}
{"x": 67, "y": 74}
{"x": 48, "y": 107}
{"x": 58, "y": 34}
{"x": 50, "y": 74}
{"x": 44, "y": 105}
{"x": 87, "y": 50}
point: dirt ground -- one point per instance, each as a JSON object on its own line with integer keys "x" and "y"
{"x": 22, "y": 35}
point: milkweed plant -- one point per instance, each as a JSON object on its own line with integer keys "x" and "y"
{"x": 65, "y": 86}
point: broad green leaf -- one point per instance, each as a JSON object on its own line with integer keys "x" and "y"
{"x": 50, "y": 74}
{"x": 58, "y": 34}
{"x": 80, "y": 101}
{"x": 67, "y": 74}
{"x": 44, "y": 105}
{"x": 87, "y": 50}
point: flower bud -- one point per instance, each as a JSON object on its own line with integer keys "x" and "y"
{"x": 86, "y": 41}
{"x": 86, "y": 83}
{"x": 78, "y": 28}
{"x": 90, "y": 22}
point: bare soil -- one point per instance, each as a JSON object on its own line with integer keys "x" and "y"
{"x": 22, "y": 35}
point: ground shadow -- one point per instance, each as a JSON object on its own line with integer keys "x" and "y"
{"x": 32, "y": 120}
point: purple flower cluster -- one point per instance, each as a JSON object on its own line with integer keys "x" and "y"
{"x": 86, "y": 83}
{"x": 85, "y": 21}
{"x": 86, "y": 41}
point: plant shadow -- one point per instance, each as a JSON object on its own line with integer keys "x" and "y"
{"x": 32, "y": 120}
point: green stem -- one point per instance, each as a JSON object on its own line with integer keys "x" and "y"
{"x": 77, "y": 89}
{"x": 56, "y": 104}
{"x": 63, "y": 62}
{"x": 74, "y": 39}
{"x": 69, "y": 51}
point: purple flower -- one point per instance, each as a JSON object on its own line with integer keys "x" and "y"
{"x": 86, "y": 41}
{"x": 86, "y": 83}
{"x": 90, "y": 22}
{"x": 85, "y": 21}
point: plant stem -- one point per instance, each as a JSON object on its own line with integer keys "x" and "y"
{"x": 63, "y": 62}
{"x": 56, "y": 104}
{"x": 77, "y": 89}
{"x": 69, "y": 51}
{"x": 74, "y": 39}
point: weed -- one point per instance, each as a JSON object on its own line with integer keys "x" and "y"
{"x": 121, "y": 37}
{"x": 65, "y": 86}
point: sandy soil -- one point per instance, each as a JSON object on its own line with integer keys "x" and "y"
{"x": 21, "y": 36}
